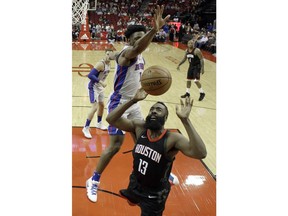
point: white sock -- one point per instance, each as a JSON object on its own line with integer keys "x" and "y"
{"x": 188, "y": 90}
{"x": 201, "y": 90}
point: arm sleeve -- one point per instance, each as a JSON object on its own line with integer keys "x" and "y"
{"x": 93, "y": 75}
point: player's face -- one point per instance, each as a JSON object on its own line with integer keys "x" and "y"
{"x": 190, "y": 43}
{"x": 156, "y": 117}
{"x": 135, "y": 36}
{"x": 107, "y": 57}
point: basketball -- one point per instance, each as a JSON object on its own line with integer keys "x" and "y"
{"x": 156, "y": 80}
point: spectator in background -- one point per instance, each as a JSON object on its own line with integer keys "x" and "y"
{"x": 189, "y": 29}
{"x": 201, "y": 41}
{"x": 120, "y": 34}
{"x": 161, "y": 36}
{"x": 172, "y": 32}
{"x": 111, "y": 37}
{"x": 75, "y": 33}
{"x": 181, "y": 32}
{"x": 166, "y": 28}
{"x": 211, "y": 42}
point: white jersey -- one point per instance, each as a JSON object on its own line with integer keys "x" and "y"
{"x": 127, "y": 79}
{"x": 102, "y": 77}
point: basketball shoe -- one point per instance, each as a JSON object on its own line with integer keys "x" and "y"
{"x": 86, "y": 132}
{"x": 100, "y": 126}
{"x": 173, "y": 179}
{"x": 202, "y": 95}
{"x": 92, "y": 187}
{"x": 185, "y": 95}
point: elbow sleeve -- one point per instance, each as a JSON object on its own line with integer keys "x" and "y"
{"x": 93, "y": 75}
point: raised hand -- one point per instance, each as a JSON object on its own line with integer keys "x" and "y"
{"x": 140, "y": 95}
{"x": 184, "y": 111}
{"x": 158, "y": 20}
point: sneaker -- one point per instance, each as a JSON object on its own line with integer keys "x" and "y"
{"x": 86, "y": 132}
{"x": 129, "y": 197}
{"x": 92, "y": 187}
{"x": 173, "y": 179}
{"x": 202, "y": 95}
{"x": 185, "y": 95}
{"x": 100, "y": 126}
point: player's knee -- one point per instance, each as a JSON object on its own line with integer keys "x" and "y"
{"x": 196, "y": 80}
{"x": 114, "y": 149}
{"x": 101, "y": 104}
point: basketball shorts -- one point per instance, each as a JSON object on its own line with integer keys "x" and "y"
{"x": 194, "y": 72}
{"x": 134, "y": 112}
{"x": 95, "y": 95}
{"x": 151, "y": 201}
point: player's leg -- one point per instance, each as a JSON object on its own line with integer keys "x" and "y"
{"x": 99, "y": 123}
{"x": 198, "y": 84}
{"x": 86, "y": 128}
{"x": 188, "y": 86}
{"x": 154, "y": 204}
{"x": 93, "y": 96}
{"x": 116, "y": 140}
{"x": 93, "y": 183}
{"x": 188, "y": 83}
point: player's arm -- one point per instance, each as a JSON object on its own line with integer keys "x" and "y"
{"x": 94, "y": 73}
{"x": 194, "y": 146}
{"x": 142, "y": 43}
{"x": 115, "y": 116}
{"x": 200, "y": 56}
{"x": 183, "y": 60}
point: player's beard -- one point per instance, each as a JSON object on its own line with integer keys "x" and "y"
{"x": 155, "y": 124}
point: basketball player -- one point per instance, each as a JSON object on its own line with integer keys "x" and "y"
{"x": 155, "y": 151}
{"x": 96, "y": 87}
{"x": 196, "y": 66}
{"x": 129, "y": 68}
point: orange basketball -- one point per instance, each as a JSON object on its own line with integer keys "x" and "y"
{"x": 156, "y": 80}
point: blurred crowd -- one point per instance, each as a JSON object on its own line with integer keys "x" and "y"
{"x": 110, "y": 19}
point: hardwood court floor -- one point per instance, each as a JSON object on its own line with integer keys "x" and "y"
{"x": 195, "y": 195}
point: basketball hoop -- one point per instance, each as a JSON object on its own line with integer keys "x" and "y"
{"x": 79, "y": 11}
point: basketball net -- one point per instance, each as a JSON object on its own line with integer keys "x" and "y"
{"x": 80, "y": 16}
{"x": 79, "y": 11}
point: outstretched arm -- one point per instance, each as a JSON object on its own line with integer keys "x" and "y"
{"x": 115, "y": 117}
{"x": 194, "y": 146}
{"x": 183, "y": 60}
{"x": 141, "y": 44}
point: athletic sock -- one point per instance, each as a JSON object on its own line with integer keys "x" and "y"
{"x": 99, "y": 119}
{"x": 87, "y": 123}
{"x": 96, "y": 176}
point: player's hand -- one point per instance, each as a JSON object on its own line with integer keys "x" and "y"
{"x": 158, "y": 20}
{"x": 178, "y": 68}
{"x": 185, "y": 108}
{"x": 140, "y": 95}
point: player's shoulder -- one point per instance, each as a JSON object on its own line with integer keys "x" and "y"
{"x": 138, "y": 123}
{"x": 100, "y": 65}
{"x": 174, "y": 135}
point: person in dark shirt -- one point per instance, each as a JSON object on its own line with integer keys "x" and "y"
{"x": 155, "y": 151}
{"x": 196, "y": 66}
